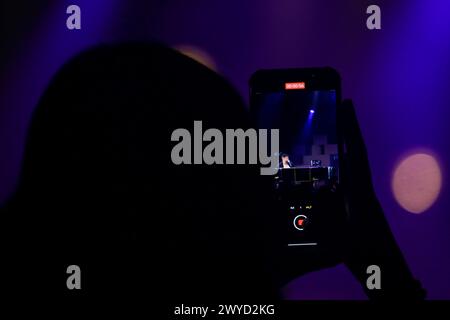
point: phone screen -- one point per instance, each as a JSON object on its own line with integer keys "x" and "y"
{"x": 308, "y": 178}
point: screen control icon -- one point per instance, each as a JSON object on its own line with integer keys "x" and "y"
{"x": 300, "y": 222}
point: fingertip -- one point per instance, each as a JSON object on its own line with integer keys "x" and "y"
{"x": 347, "y": 103}
{"x": 354, "y": 141}
{"x": 348, "y": 108}
{"x": 349, "y": 117}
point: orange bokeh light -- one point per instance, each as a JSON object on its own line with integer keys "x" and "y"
{"x": 416, "y": 182}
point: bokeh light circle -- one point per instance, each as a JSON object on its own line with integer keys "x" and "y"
{"x": 198, "y": 55}
{"x": 416, "y": 182}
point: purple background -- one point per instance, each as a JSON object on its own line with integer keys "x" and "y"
{"x": 397, "y": 76}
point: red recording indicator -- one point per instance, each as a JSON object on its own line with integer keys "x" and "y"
{"x": 294, "y": 85}
{"x": 300, "y": 222}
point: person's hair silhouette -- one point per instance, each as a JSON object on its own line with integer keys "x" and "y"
{"x": 98, "y": 188}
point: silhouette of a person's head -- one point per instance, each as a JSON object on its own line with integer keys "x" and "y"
{"x": 98, "y": 188}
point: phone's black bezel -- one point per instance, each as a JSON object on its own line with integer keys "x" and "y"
{"x": 325, "y": 78}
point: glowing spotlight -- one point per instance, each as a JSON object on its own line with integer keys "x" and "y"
{"x": 198, "y": 55}
{"x": 416, "y": 182}
{"x": 311, "y": 111}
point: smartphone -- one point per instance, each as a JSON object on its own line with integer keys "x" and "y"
{"x": 302, "y": 104}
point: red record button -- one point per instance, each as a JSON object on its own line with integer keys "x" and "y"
{"x": 300, "y": 222}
